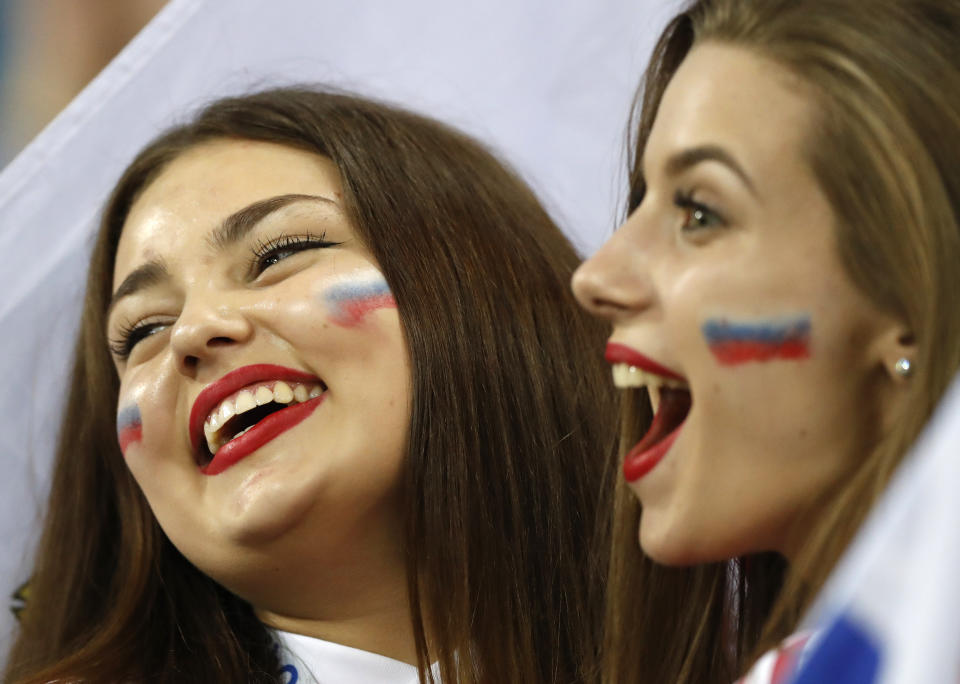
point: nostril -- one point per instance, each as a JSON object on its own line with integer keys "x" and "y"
{"x": 190, "y": 362}
{"x": 219, "y": 341}
{"x": 605, "y": 308}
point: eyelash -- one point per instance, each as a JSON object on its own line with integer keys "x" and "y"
{"x": 262, "y": 251}
{"x": 697, "y": 211}
{"x": 129, "y": 335}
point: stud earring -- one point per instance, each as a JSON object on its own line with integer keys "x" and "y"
{"x": 903, "y": 367}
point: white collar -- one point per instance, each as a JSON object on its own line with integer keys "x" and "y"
{"x": 307, "y": 660}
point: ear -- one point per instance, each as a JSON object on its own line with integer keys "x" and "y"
{"x": 897, "y": 347}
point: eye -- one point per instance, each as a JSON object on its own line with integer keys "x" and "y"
{"x": 697, "y": 215}
{"x": 129, "y": 336}
{"x": 272, "y": 252}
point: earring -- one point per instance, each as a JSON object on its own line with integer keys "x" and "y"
{"x": 903, "y": 367}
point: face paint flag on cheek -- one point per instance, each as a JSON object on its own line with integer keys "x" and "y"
{"x": 350, "y": 302}
{"x": 129, "y": 426}
{"x": 733, "y": 343}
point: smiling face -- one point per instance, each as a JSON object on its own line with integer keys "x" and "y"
{"x": 264, "y": 378}
{"x": 727, "y": 296}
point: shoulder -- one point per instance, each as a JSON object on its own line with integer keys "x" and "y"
{"x": 776, "y": 666}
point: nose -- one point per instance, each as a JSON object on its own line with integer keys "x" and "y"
{"x": 205, "y": 328}
{"x": 615, "y": 283}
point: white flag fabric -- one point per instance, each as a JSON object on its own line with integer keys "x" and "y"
{"x": 890, "y": 614}
{"x": 546, "y": 83}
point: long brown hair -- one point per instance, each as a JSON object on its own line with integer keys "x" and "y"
{"x": 884, "y": 78}
{"x": 505, "y": 478}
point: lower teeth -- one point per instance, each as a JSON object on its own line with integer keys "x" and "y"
{"x": 243, "y": 431}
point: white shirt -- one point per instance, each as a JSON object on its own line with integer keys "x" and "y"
{"x": 306, "y": 660}
{"x": 778, "y": 666}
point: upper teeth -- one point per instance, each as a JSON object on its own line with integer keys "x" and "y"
{"x": 625, "y": 375}
{"x": 249, "y": 398}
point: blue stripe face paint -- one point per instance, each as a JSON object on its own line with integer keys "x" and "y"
{"x": 736, "y": 342}
{"x": 129, "y": 426}
{"x": 350, "y": 302}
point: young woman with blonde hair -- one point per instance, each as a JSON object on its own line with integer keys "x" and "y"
{"x": 785, "y": 301}
{"x": 355, "y": 410}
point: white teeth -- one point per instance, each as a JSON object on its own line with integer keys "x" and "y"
{"x": 210, "y": 433}
{"x": 654, "y": 392}
{"x": 245, "y": 401}
{"x": 282, "y": 392}
{"x": 625, "y": 375}
{"x": 227, "y": 411}
{"x": 214, "y": 420}
{"x": 264, "y": 395}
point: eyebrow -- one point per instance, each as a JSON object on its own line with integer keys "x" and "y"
{"x": 141, "y": 277}
{"x": 236, "y": 226}
{"x": 233, "y": 229}
{"x": 689, "y": 158}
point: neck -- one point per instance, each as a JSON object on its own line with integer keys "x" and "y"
{"x": 385, "y": 629}
{"x": 360, "y": 599}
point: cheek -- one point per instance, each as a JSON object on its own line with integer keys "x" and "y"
{"x": 735, "y": 341}
{"x": 758, "y": 369}
{"x": 349, "y": 301}
{"x": 129, "y": 426}
{"x": 145, "y": 411}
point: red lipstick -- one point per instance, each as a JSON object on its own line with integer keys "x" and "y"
{"x": 272, "y": 426}
{"x": 236, "y": 380}
{"x": 620, "y": 353}
{"x": 641, "y": 459}
{"x": 664, "y": 430}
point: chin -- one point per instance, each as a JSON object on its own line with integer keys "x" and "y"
{"x": 666, "y": 547}
{"x": 261, "y": 527}
{"x": 263, "y": 508}
{"x": 232, "y": 538}
{"x": 671, "y": 557}
{"x": 240, "y": 558}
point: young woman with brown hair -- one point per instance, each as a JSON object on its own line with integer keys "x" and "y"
{"x": 356, "y": 411}
{"x": 784, "y": 301}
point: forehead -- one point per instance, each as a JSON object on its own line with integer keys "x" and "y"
{"x": 733, "y": 97}
{"x": 208, "y": 183}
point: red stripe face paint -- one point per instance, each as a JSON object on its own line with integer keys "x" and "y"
{"x": 733, "y": 343}
{"x": 350, "y": 302}
{"x": 129, "y": 426}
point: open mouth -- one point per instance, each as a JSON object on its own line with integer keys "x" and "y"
{"x": 249, "y": 408}
{"x": 671, "y": 402}
{"x": 246, "y": 408}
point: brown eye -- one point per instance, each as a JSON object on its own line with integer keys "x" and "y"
{"x": 699, "y": 218}
{"x": 696, "y": 215}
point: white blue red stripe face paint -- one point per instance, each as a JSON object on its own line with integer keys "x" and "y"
{"x": 350, "y": 301}
{"x": 129, "y": 426}
{"x": 736, "y": 342}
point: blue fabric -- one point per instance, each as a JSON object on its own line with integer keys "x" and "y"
{"x": 846, "y": 654}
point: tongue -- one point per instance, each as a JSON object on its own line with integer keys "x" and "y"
{"x": 674, "y": 407}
